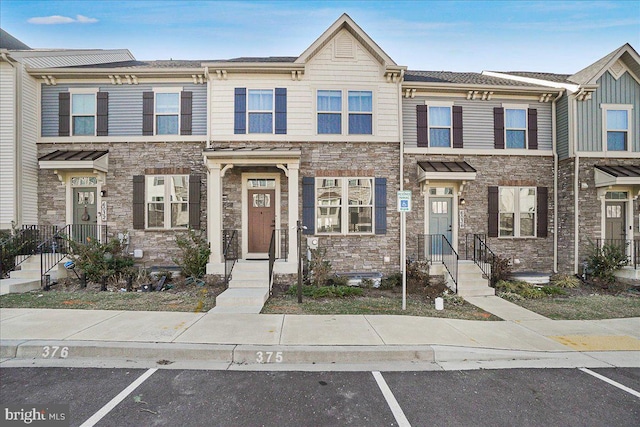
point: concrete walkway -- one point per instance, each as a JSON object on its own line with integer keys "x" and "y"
{"x": 245, "y": 340}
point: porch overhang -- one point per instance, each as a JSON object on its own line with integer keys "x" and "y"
{"x": 445, "y": 171}
{"x": 246, "y": 156}
{"x": 607, "y": 176}
{"x": 62, "y": 161}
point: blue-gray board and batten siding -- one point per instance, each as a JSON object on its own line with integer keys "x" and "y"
{"x": 562, "y": 127}
{"x": 477, "y": 120}
{"x": 125, "y": 107}
{"x": 625, "y": 90}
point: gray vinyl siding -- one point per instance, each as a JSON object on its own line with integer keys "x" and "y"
{"x": 625, "y": 90}
{"x": 477, "y": 121}
{"x": 125, "y": 107}
{"x": 562, "y": 127}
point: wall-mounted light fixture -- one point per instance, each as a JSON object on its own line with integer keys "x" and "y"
{"x": 103, "y": 193}
{"x": 462, "y": 201}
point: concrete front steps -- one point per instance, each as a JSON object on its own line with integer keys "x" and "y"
{"x": 27, "y": 275}
{"x": 248, "y": 289}
{"x": 471, "y": 282}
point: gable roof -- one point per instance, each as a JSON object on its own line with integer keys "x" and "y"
{"x": 7, "y": 41}
{"x": 591, "y": 74}
{"x": 345, "y": 22}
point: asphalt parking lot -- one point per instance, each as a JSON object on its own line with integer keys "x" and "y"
{"x": 523, "y": 397}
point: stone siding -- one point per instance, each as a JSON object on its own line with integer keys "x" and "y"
{"x": 534, "y": 254}
{"x": 125, "y": 161}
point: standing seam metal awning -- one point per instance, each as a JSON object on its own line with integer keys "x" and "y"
{"x": 445, "y": 171}
{"x": 75, "y": 159}
{"x": 607, "y": 175}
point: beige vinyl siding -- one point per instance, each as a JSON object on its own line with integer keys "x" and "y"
{"x": 323, "y": 71}
{"x": 625, "y": 90}
{"x": 28, "y": 181}
{"x": 7, "y": 145}
{"x": 477, "y": 121}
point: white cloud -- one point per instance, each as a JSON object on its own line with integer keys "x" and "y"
{"x": 58, "y": 19}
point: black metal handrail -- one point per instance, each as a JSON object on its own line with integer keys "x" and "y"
{"x": 484, "y": 257}
{"x": 629, "y": 247}
{"x": 437, "y": 248}
{"x": 24, "y": 244}
{"x": 53, "y": 250}
{"x": 272, "y": 257}
{"x": 230, "y": 252}
{"x": 450, "y": 260}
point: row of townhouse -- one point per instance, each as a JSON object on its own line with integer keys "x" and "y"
{"x": 534, "y": 163}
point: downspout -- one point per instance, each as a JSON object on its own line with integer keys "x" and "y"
{"x": 17, "y": 217}
{"x": 555, "y": 182}
{"x": 576, "y": 188}
{"x": 209, "y": 84}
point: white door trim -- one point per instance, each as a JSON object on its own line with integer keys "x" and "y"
{"x": 245, "y": 177}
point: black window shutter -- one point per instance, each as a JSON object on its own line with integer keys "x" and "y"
{"x": 423, "y": 126}
{"x": 498, "y": 127}
{"x": 138, "y": 202}
{"x": 493, "y": 212}
{"x": 147, "y": 113}
{"x": 381, "y": 205}
{"x": 186, "y": 101}
{"x": 308, "y": 204}
{"x": 102, "y": 113}
{"x": 533, "y": 128}
{"x": 281, "y": 110}
{"x": 194, "y": 202}
{"x": 240, "y": 109}
{"x": 64, "y": 110}
{"x": 457, "y": 126}
{"x": 542, "y": 210}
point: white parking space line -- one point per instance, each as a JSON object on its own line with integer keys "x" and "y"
{"x": 391, "y": 400}
{"x": 119, "y": 398}
{"x": 612, "y": 382}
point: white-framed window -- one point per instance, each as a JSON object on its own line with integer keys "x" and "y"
{"x": 260, "y": 110}
{"x": 167, "y": 112}
{"x": 344, "y": 205}
{"x": 515, "y": 126}
{"x": 360, "y": 112}
{"x": 517, "y": 211}
{"x": 440, "y": 128}
{"x": 616, "y": 126}
{"x": 83, "y": 112}
{"x": 167, "y": 201}
{"x": 329, "y": 106}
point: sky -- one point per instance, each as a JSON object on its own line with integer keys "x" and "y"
{"x": 463, "y": 36}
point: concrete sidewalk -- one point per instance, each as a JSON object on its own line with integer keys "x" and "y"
{"x": 248, "y": 340}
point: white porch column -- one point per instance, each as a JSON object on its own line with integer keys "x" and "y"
{"x": 214, "y": 218}
{"x": 294, "y": 209}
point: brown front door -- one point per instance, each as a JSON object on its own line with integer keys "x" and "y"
{"x": 262, "y": 216}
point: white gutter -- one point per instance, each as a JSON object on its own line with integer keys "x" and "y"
{"x": 571, "y": 87}
{"x": 555, "y": 182}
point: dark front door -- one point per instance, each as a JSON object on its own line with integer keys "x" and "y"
{"x": 262, "y": 216}
{"x": 440, "y": 221}
{"x": 615, "y": 213}
{"x": 85, "y": 213}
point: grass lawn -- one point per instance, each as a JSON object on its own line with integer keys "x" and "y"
{"x": 373, "y": 305}
{"x": 585, "y": 307}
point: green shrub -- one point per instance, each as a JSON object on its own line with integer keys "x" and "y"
{"x": 524, "y": 289}
{"x": 564, "y": 281}
{"x": 391, "y": 281}
{"x": 510, "y": 296}
{"x": 552, "y": 290}
{"x": 195, "y": 252}
{"x": 326, "y": 291}
{"x": 98, "y": 260}
{"x": 336, "y": 280}
{"x": 603, "y": 261}
{"x": 452, "y": 299}
{"x": 366, "y": 283}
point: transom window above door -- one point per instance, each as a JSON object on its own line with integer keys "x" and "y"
{"x": 261, "y": 183}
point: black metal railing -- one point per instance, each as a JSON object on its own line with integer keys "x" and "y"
{"x": 272, "y": 257}
{"x": 469, "y": 242}
{"x": 629, "y": 247}
{"x": 18, "y": 247}
{"x": 279, "y": 240}
{"x": 437, "y": 248}
{"x": 230, "y": 252}
{"x": 61, "y": 243}
{"x": 484, "y": 257}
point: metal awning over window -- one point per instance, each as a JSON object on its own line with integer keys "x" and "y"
{"x": 445, "y": 171}
{"x": 617, "y": 175}
{"x": 62, "y": 161}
